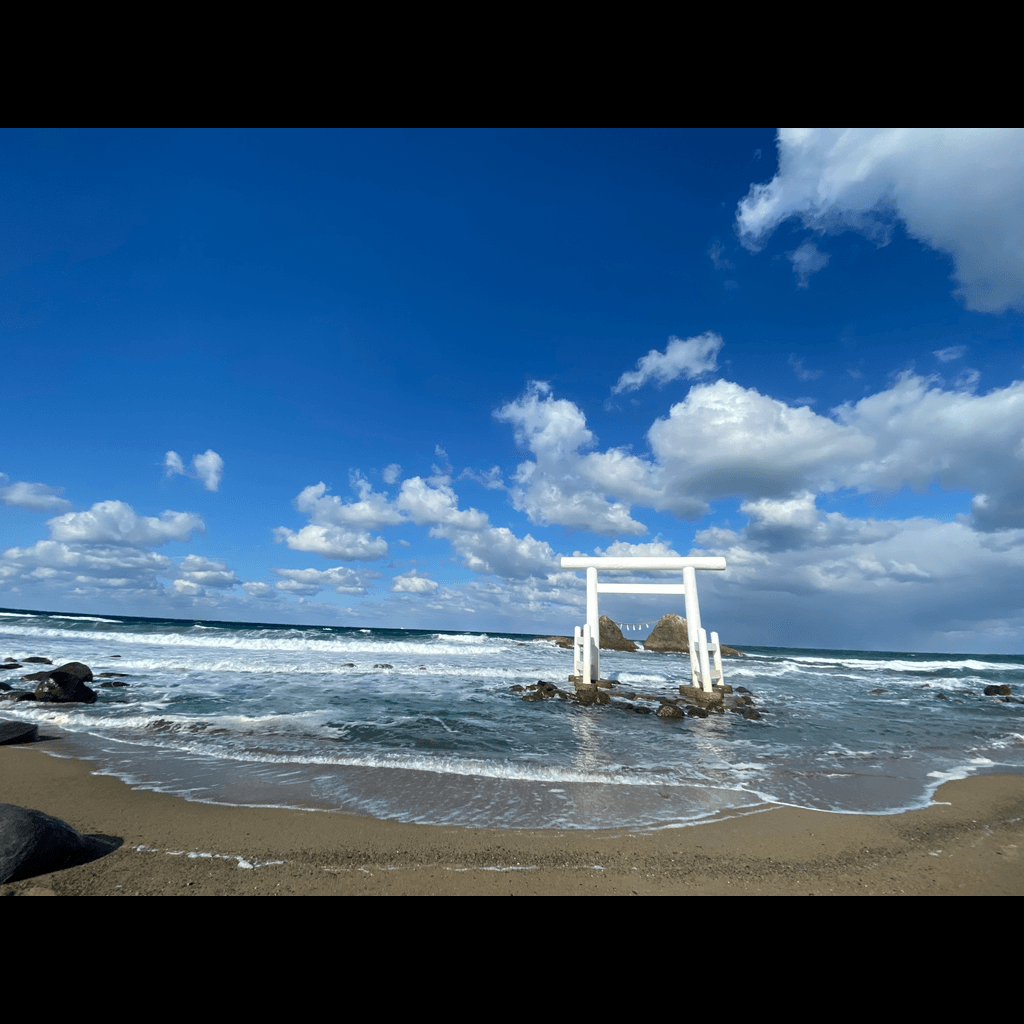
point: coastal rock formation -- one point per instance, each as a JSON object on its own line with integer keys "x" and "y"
{"x": 612, "y": 638}
{"x": 64, "y": 685}
{"x": 65, "y": 688}
{"x": 33, "y": 843}
{"x": 672, "y": 634}
{"x": 691, "y": 703}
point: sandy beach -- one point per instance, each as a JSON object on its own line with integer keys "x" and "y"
{"x": 967, "y": 843}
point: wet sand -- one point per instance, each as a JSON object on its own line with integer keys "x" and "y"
{"x": 969, "y": 842}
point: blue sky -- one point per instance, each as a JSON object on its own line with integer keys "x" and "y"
{"x": 388, "y": 377}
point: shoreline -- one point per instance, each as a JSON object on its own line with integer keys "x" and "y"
{"x": 968, "y": 841}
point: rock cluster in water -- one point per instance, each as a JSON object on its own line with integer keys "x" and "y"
{"x": 670, "y": 634}
{"x": 65, "y": 684}
{"x": 692, "y": 702}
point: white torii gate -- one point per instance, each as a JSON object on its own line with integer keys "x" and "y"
{"x": 587, "y": 640}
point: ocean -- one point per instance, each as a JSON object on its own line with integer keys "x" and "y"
{"x": 423, "y": 726}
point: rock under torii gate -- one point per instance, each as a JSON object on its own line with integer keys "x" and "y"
{"x": 586, "y": 645}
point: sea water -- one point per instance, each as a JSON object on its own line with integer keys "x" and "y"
{"x": 424, "y": 726}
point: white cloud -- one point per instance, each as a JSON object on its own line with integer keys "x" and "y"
{"x": 35, "y": 497}
{"x": 724, "y": 440}
{"x": 485, "y": 549}
{"x": 391, "y": 473}
{"x": 690, "y": 358}
{"x": 492, "y": 479}
{"x": 371, "y": 512}
{"x": 333, "y": 542}
{"x": 412, "y": 583}
{"x": 957, "y": 190}
{"x": 207, "y": 467}
{"x": 946, "y": 355}
{"x": 90, "y": 559}
{"x": 340, "y": 529}
{"x": 796, "y": 572}
{"x": 311, "y": 581}
{"x": 107, "y": 547}
{"x": 808, "y": 259}
{"x": 564, "y": 486}
{"x": 206, "y": 572}
{"x": 114, "y": 522}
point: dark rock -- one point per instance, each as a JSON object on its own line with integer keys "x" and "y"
{"x": 669, "y": 711}
{"x": 9, "y": 664}
{"x": 18, "y": 695}
{"x": 33, "y": 843}
{"x": 383, "y": 665}
{"x": 17, "y": 732}
{"x": 35, "y": 677}
{"x": 998, "y": 691}
{"x": 65, "y": 688}
{"x": 76, "y": 668}
{"x": 612, "y": 638}
{"x": 112, "y": 675}
{"x": 36, "y": 660}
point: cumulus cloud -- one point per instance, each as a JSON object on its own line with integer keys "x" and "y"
{"x": 333, "y": 542}
{"x": 724, "y": 441}
{"x": 35, "y": 497}
{"x": 484, "y": 549}
{"x": 340, "y": 529}
{"x": 957, "y": 190}
{"x": 566, "y": 485}
{"x": 207, "y": 467}
{"x": 690, "y": 358}
{"x": 892, "y": 579}
{"x": 115, "y": 522}
{"x": 413, "y": 583}
{"x": 206, "y": 572}
{"x": 308, "y": 582}
{"x": 108, "y": 547}
{"x": 391, "y": 473}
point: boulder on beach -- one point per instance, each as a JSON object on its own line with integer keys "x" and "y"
{"x": 34, "y": 843}
{"x": 612, "y": 638}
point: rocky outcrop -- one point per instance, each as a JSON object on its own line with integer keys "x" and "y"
{"x": 64, "y": 685}
{"x": 672, "y": 634}
{"x": 612, "y": 638}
